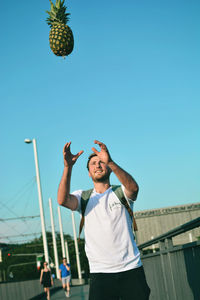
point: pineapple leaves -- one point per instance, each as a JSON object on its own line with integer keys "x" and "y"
{"x": 52, "y": 5}
{"x": 58, "y": 13}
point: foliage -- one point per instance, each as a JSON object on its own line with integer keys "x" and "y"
{"x": 24, "y": 267}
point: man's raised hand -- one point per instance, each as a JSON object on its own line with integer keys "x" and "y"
{"x": 103, "y": 154}
{"x": 69, "y": 158}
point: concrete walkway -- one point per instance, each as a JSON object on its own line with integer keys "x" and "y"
{"x": 77, "y": 293}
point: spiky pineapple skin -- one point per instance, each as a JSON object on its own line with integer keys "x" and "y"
{"x": 61, "y": 39}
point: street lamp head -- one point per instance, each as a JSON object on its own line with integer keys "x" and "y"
{"x": 27, "y": 141}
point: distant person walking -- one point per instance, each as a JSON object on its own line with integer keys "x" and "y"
{"x": 46, "y": 279}
{"x": 65, "y": 276}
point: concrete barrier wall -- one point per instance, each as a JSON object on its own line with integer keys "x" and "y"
{"x": 24, "y": 290}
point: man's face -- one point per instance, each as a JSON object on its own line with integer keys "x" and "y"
{"x": 64, "y": 261}
{"x": 98, "y": 171}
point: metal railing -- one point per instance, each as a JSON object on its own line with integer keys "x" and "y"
{"x": 173, "y": 272}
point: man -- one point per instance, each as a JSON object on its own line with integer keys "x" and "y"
{"x": 116, "y": 270}
{"x": 65, "y": 276}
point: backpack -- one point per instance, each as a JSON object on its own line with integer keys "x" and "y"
{"x": 120, "y": 195}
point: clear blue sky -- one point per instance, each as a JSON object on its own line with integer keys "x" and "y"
{"x": 132, "y": 81}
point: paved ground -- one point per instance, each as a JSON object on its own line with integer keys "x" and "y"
{"x": 77, "y": 293}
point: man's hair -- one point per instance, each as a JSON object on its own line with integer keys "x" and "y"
{"x": 64, "y": 258}
{"x": 91, "y": 155}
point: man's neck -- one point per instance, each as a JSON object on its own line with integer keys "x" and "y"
{"x": 101, "y": 187}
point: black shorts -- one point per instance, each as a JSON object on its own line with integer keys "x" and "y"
{"x": 127, "y": 285}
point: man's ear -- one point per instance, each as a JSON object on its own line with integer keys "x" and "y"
{"x": 89, "y": 174}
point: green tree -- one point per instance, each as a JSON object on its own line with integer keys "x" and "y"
{"x": 24, "y": 267}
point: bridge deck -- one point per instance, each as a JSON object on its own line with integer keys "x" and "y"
{"x": 77, "y": 293}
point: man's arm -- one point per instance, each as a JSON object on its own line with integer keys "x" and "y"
{"x": 131, "y": 186}
{"x": 41, "y": 274}
{"x": 64, "y": 197}
{"x": 60, "y": 274}
{"x": 67, "y": 267}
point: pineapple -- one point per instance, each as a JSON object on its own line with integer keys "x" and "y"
{"x": 61, "y": 38}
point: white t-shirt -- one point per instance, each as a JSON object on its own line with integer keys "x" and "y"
{"x": 109, "y": 240}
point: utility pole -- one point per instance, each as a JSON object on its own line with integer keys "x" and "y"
{"x": 76, "y": 248}
{"x": 61, "y": 232}
{"x": 67, "y": 252}
{"x": 54, "y": 239}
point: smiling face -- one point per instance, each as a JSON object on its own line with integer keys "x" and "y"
{"x": 98, "y": 171}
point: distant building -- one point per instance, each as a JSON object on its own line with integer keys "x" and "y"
{"x": 152, "y": 223}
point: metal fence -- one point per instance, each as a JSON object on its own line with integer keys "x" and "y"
{"x": 173, "y": 272}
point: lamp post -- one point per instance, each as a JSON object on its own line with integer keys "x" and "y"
{"x": 44, "y": 237}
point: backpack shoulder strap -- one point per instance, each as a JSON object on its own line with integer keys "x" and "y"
{"x": 117, "y": 189}
{"x": 85, "y": 196}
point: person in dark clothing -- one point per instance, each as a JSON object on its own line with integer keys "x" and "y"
{"x": 46, "y": 279}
